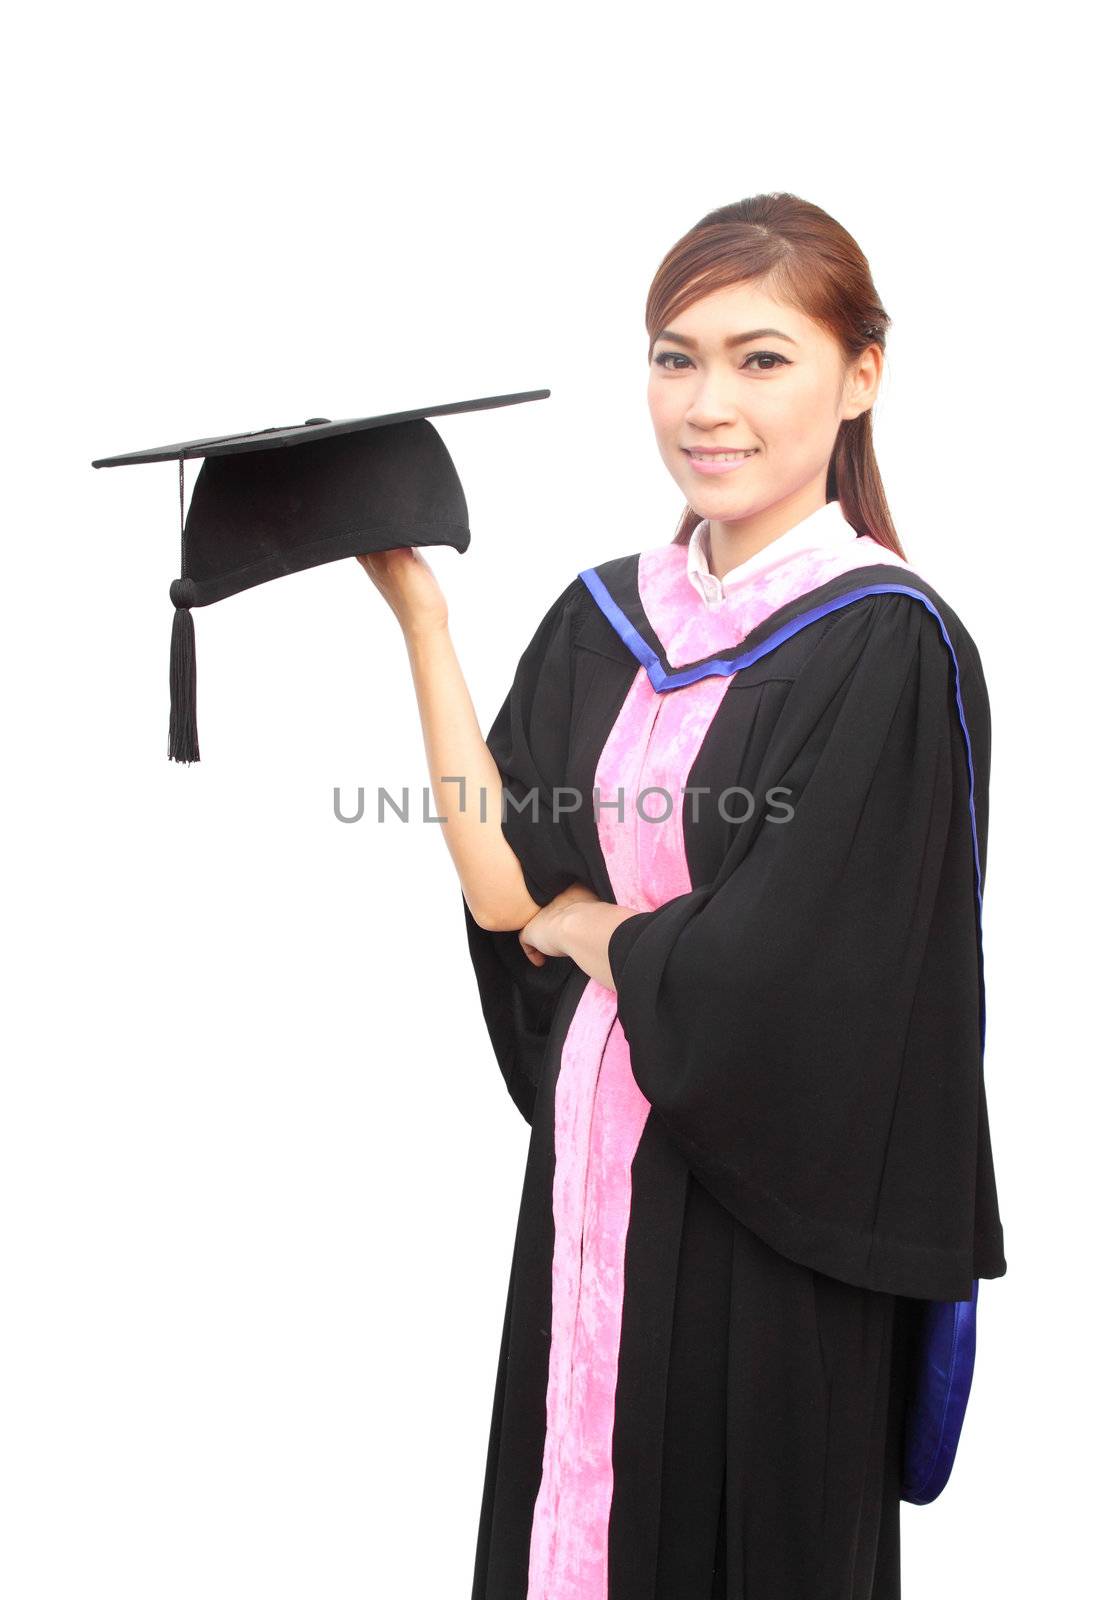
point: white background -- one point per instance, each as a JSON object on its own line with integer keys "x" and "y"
{"x": 259, "y": 1173}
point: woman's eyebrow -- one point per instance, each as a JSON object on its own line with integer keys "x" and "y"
{"x": 732, "y": 339}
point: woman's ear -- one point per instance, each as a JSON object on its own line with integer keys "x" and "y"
{"x": 861, "y": 382}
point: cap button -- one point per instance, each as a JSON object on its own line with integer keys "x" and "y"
{"x": 311, "y": 421}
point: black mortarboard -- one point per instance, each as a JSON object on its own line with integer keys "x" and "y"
{"x": 284, "y": 499}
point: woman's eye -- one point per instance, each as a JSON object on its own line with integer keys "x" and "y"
{"x": 664, "y": 357}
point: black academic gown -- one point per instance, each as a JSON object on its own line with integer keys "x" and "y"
{"x": 781, "y": 1145}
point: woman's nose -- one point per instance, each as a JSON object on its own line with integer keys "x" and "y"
{"x": 711, "y": 403}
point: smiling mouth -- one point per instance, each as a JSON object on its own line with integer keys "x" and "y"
{"x": 717, "y": 455}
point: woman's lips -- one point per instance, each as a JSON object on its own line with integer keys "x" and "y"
{"x": 710, "y": 468}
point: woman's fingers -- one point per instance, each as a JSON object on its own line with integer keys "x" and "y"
{"x": 410, "y": 587}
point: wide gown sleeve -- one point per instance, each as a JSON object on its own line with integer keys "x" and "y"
{"x": 809, "y": 1026}
{"x": 529, "y": 743}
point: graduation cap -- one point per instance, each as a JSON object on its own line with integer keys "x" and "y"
{"x": 287, "y": 498}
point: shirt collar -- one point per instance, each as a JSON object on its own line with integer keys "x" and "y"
{"x": 823, "y": 528}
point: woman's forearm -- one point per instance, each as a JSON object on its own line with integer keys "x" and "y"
{"x": 489, "y": 871}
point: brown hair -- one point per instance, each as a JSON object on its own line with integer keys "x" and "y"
{"x": 807, "y": 259}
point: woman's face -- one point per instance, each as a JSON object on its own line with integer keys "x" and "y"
{"x": 780, "y": 394}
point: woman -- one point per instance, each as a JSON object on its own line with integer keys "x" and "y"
{"x": 739, "y": 999}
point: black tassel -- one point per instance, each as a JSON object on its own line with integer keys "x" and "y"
{"x": 182, "y": 733}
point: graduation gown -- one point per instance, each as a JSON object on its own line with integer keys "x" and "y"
{"x": 752, "y": 1159}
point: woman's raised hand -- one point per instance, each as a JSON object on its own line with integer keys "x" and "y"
{"x": 409, "y": 586}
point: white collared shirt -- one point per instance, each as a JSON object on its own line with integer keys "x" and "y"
{"x": 821, "y": 529}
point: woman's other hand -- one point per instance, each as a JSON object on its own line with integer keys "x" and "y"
{"x": 409, "y": 586}
{"x": 541, "y": 936}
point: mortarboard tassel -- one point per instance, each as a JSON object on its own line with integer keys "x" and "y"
{"x": 182, "y": 729}
{"x": 182, "y": 732}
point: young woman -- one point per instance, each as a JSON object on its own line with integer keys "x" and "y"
{"x": 727, "y": 941}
